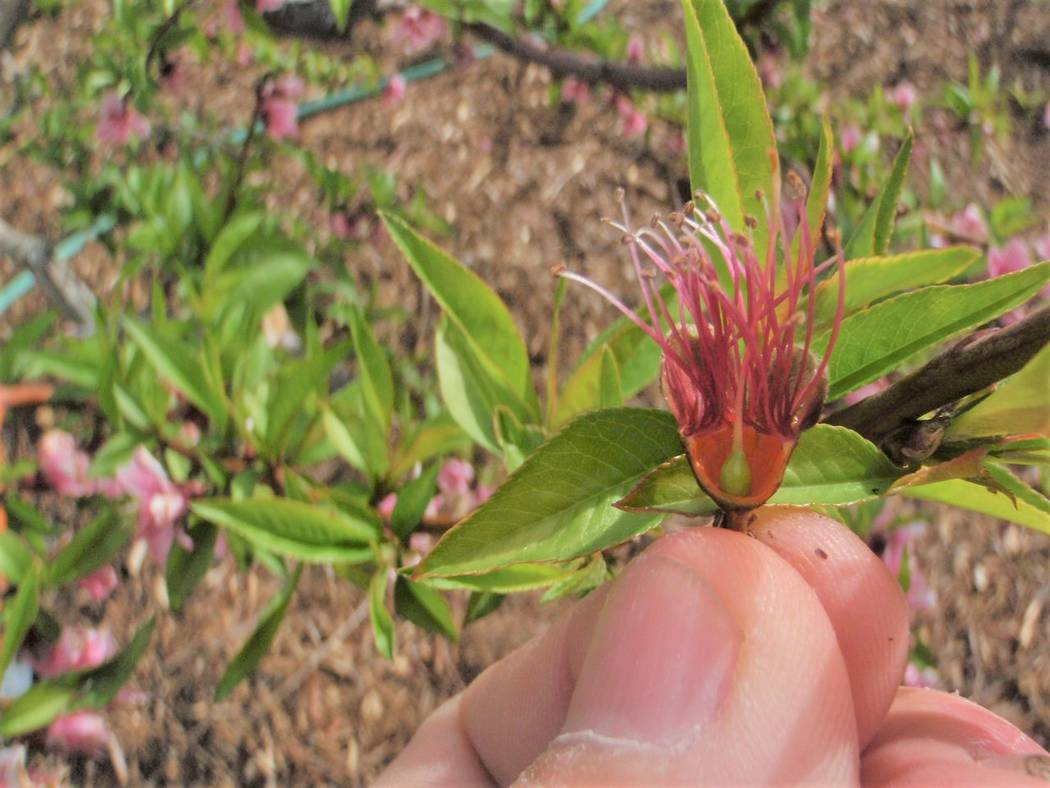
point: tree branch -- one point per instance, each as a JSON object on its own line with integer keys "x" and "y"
{"x": 968, "y": 367}
{"x": 564, "y": 63}
{"x": 55, "y": 277}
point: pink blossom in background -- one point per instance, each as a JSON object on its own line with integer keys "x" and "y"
{"x": 575, "y": 91}
{"x": 914, "y": 676}
{"x": 421, "y": 542}
{"x": 82, "y": 732}
{"x": 433, "y": 510}
{"x": 1042, "y": 247}
{"x": 676, "y": 142}
{"x": 850, "y": 137}
{"x": 100, "y": 583}
{"x": 395, "y": 90}
{"x": 245, "y": 54}
{"x": 339, "y": 224}
{"x": 455, "y": 477}
{"x": 386, "y": 506}
{"x": 161, "y": 503}
{"x": 281, "y": 108}
{"x": 1015, "y": 256}
{"x": 635, "y": 49}
{"x": 418, "y": 29}
{"x": 865, "y": 391}
{"x": 900, "y": 541}
{"x": 483, "y": 493}
{"x": 189, "y": 435}
{"x": 969, "y": 223}
{"x": 231, "y": 16}
{"x": 77, "y": 649}
{"x": 64, "y": 466}
{"x": 173, "y": 77}
{"x": 119, "y": 122}
{"x": 13, "y": 767}
{"x": 903, "y": 95}
{"x": 267, "y": 6}
{"x": 769, "y": 70}
{"x": 634, "y": 123}
{"x": 463, "y": 54}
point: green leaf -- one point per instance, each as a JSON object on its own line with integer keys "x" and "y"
{"x": 180, "y": 364}
{"x": 1021, "y": 491}
{"x": 476, "y": 311}
{"x": 233, "y": 236}
{"x": 295, "y": 383}
{"x": 359, "y": 447}
{"x": 557, "y": 505}
{"x": 510, "y": 579}
{"x": 437, "y": 435}
{"x": 424, "y": 607}
{"x": 412, "y": 500}
{"x": 610, "y": 394}
{"x": 341, "y": 12}
{"x": 262, "y": 272}
{"x": 831, "y": 466}
{"x": 869, "y": 279}
{"x": 588, "y": 577}
{"x": 19, "y": 614}
{"x": 255, "y": 648}
{"x": 115, "y": 452}
{"x": 382, "y": 623}
{"x": 977, "y": 498}
{"x": 1020, "y": 405}
{"x": 294, "y": 529}
{"x": 732, "y": 148}
{"x": 37, "y": 708}
{"x": 481, "y": 604}
{"x": 820, "y": 188}
{"x": 880, "y": 339}
{"x": 185, "y": 568}
{"x": 91, "y": 548}
{"x": 99, "y": 686}
{"x": 14, "y": 557}
{"x": 873, "y": 235}
{"x": 378, "y": 382}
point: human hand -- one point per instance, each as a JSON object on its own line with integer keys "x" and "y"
{"x": 721, "y": 659}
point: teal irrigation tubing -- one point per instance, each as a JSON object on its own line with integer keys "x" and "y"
{"x": 592, "y": 10}
{"x": 72, "y": 244}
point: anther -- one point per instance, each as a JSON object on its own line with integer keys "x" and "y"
{"x": 751, "y": 221}
{"x": 796, "y": 187}
{"x": 559, "y": 269}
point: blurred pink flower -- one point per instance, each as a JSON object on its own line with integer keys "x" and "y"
{"x": 463, "y": 54}
{"x": 173, "y": 77}
{"x": 903, "y": 95}
{"x": 82, "y": 732}
{"x": 865, "y": 391}
{"x": 119, "y": 121}
{"x": 1042, "y": 247}
{"x": 969, "y": 223}
{"x": 422, "y": 543}
{"x": 455, "y": 477}
{"x": 914, "y": 676}
{"x": 634, "y": 122}
{"x": 850, "y": 137}
{"x": 266, "y": 6}
{"x": 433, "y": 510}
{"x": 13, "y": 767}
{"x": 1015, "y": 256}
{"x": 189, "y": 435}
{"x": 339, "y": 224}
{"x": 418, "y": 29}
{"x": 281, "y": 108}
{"x": 770, "y": 70}
{"x": 575, "y": 91}
{"x": 386, "y": 506}
{"x": 161, "y": 503}
{"x": 898, "y": 544}
{"x": 77, "y": 649}
{"x": 635, "y": 49}
{"x": 676, "y": 142}
{"x": 64, "y": 466}
{"x": 245, "y": 53}
{"x": 395, "y": 90}
{"x": 483, "y": 493}
{"x": 231, "y": 14}
{"x": 100, "y": 583}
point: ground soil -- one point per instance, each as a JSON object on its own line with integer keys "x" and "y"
{"x": 525, "y": 185}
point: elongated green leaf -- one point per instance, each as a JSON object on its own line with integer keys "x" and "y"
{"x": 977, "y": 498}
{"x": 99, "y": 686}
{"x": 478, "y": 313}
{"x": 481, "y": 604}
{"x": 510, "y": 579}
{"x": 438, "y": 435}
{"x": 37, "y": 708}
{"x": 610, "y": 393}
{"x": 378, "y": 382}
{"x": 263, "y": 271}
{"x": 820, "y": 188}
{"x": 557, "y": 505}
{"x": 14, "y": 557}
{"x": 1020, "y": 405}
{"x": 185, "y": 568}
{"x": 91, "y": 548}
{"x": 292, "y": 528}
{"x": 341, "y": 12}
{"x": 869, "y": 279}
{"x": 424, "y": 607}
{"x": 412, "y": 500}
{"x": 732, "y": 147}
{"x": 1021, "y": 491}
{"x": 382, "y": 622}
{"x": 255, "y": 648}
{"x": 296, "y": 383}
{"x": 179, "y": 364}
{"x": 831, "y": 466}
{"x": 19, "y": 614}
{"x": 880, "y": 339}
{"x": 233, "y": 235}
{"x": 873, "y": 234}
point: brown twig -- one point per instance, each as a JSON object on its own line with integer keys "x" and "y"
{"x": 242, "y": 155}
{"x": 972, "y": 365}
{"x": 162, "y": 31}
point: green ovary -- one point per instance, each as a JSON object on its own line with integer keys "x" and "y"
{"x": 735, "y": 478}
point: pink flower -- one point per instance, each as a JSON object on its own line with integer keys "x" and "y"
{"x": 900, "y": 542}
{"x": 634, "y": 122}
{"x": 1042, "y": 247}
{"x": 231, "y": 14}
{"x": 969, "y": 224}
{"x": 635, "y": 49}
{"x": 13, "y": 767}
{"x": 119, "y": 121}
{"x": 161, "y": 503}
{"x": 1008, "y": 259}
{"x": 866, "y": 391}
{"x": 676, "y": 142}
{"x": 339, "y": 224}
{"x": 851, "y": 137}
{"x": 395, "y": 90}
{"x": 914, "y": 676}
{"x": 64, "y": 466}
{"x": 417, "y": 30}
{"x": 281, "y": 108}
{"x": 575, "y": 91}
{"x": 483, "y": 493}
{"x": 100, "y": 583}
{"x": 769, "y": 70}
{"x": 386, "y": 506}
{"x": 455, "y": 477}
{"x": 244, "y": 53}
{"x": 267, "y": 6}
{"x": 173, "y": 77}
{"x": 189, "y": 435}
{"x": 77, "y": 649}
{"x": 433, "y": 510}
{"x": 903, "y": 95}
{"x": 83, "y": 732}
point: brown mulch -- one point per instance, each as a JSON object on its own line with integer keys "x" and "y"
{"x": 525, "y": 185}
